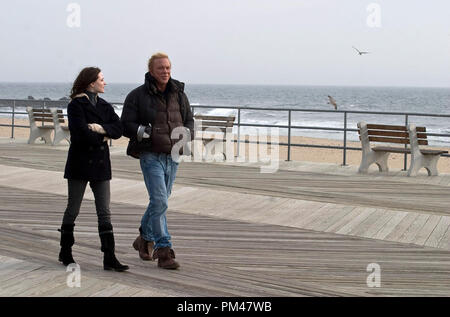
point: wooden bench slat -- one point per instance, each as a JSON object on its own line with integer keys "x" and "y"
{"x": 48, "y": 120}
{"x": 395, "y": 134}
{"x": 43, "y": 115}
{"x": 214, "y": 129}
{"x": 394, "y": 140}
{"x": 46, "y": 127}
{"x": 43, "y": 120}
{"x": 45, "y": 110}
{"x": 218, "y": 118}
{"x": 392, "y": 127}
{"x": 216, "y": 124}
{"x": 210, "y": 139}
{"x": 35, "y": 110}
{"x": 408, "y": 151}
{"x": 432, "y": 152}
{"x": 390, "y": 149}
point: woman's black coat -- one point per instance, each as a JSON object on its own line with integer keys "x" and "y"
{"x": 88, "y": 157}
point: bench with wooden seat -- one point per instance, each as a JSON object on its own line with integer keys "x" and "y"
{"x": 412, "y": 135}
{"x": 213, "y": 125}
{"x": 61, "y": 131}
{"x": 40, "y": 127}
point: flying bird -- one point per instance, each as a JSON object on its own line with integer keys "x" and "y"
{"x": 359, "y": 52}
{"x": 332, "y": 102}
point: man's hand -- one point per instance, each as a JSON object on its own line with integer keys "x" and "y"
{"x": 96, "y": 128}
{"x": 144, "y": 132}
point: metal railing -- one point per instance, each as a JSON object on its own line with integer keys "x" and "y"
{"x": 345, "y": 128}
{"x": 289, "y": 111}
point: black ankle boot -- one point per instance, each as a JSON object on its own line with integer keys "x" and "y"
{"x": 66, "y": 243}
{"x": 110, "y": 261}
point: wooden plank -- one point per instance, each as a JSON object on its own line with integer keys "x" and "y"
{"x": 363, "y": 214}
{"x": 343, "y": 221}
{"x": 378, "y": 224}
{"x": 220, "y": 118}
{"x": 21, "y": 283}
{"x": 325, "y": 212}
{"x": 110, "y": 291}
{"x": 403, "y": 135}
{"x": 410, "y": 234}
{"x": 390, "y": 225}
{"x": 386, "y": 127}
{"x": 303, "y": 217}
{"x": 402, "y": 226}
{"x": 10, "y": 273}
{"x": 44, "y": 110}
{"x": 361, "y": 229}
{"x": 438, "y": 232}
{"x": 391, "y": 149}
{"x": 445, "y": 240}
{"x": 432, "y": 152}
{"x": 322, "y": 224}
{"x": 50, "y": 282}
{"x": 392, "y": 127}
{"x": 216, "y": 123}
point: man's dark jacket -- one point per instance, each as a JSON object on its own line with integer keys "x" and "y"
{"x": 88, "y": 157}
{"x": 145, "y": 105}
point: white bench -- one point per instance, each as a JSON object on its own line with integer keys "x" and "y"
{"x": 213, "y": 125}
{"x": 39, "y": 128}
{"x": 61, "y": 131}
{"x": 412, "y": 135}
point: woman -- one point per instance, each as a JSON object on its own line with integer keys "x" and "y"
{"x": 92, "y": 121}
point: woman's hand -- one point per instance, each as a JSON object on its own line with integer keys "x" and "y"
{"x": 96, "y": 128}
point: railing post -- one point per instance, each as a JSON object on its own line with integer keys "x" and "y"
{"x": 345, "y": 140}
{"x": 43, "y": 107}
{"x": 239, "y": 132}
{"x": 289, "y": 137}
{"x": 405, "y": 160}
{"x": 12, "y": 120}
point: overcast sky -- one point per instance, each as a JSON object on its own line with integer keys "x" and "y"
{"x": 284, "y": 42}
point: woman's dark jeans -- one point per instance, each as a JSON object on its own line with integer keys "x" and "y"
{"x": 102, "y": 194}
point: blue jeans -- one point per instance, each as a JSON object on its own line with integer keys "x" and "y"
{"x": 159, "y": 174}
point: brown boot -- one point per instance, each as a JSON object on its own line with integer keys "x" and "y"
{"x": 144, "y": 247}
{"x": 166, "y": 258}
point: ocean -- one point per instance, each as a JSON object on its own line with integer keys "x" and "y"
{"x": 391, "y": 99}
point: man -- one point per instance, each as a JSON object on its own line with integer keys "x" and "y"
{"x": 150, "y": 115}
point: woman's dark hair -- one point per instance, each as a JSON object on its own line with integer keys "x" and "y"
{"x": 85, "y": 77}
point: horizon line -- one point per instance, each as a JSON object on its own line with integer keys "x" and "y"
{"x": 247, "y": 84}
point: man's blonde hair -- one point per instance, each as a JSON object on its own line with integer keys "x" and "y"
{"x": 156, "y": 56}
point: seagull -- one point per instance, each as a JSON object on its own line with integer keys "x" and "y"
{"x": 359, "y": 52}
{"x": 332, "y": 102}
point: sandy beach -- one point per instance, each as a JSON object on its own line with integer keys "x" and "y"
{"x": 309, "y": 154}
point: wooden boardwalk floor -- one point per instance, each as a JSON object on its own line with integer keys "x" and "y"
{"x": 232, "y": 257}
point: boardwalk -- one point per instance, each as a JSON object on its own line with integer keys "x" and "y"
{"x": 307, "y": 230}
